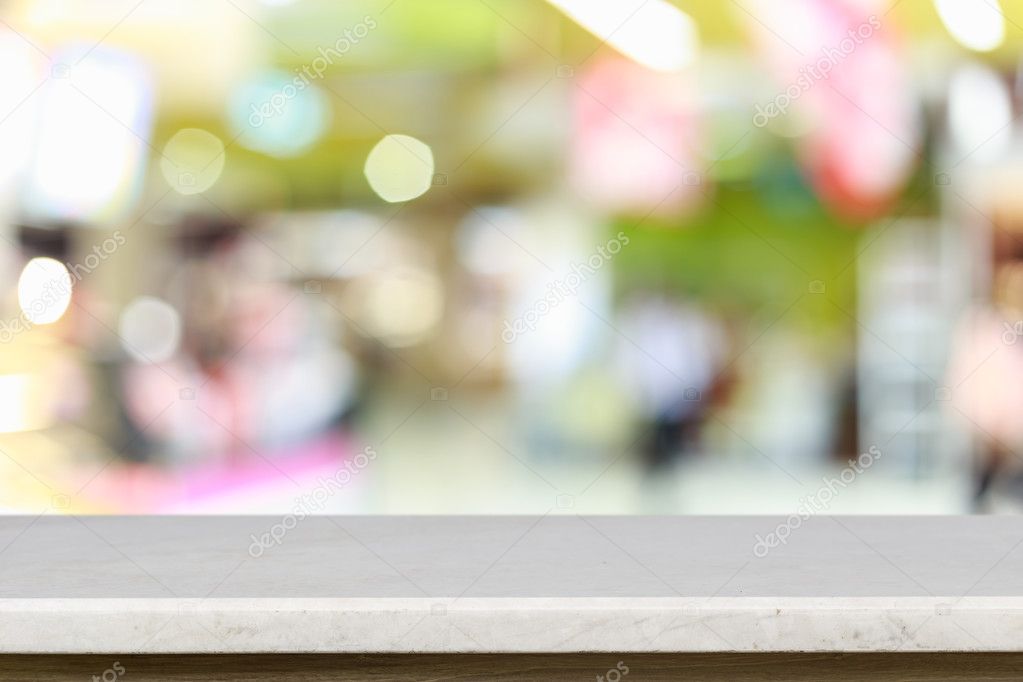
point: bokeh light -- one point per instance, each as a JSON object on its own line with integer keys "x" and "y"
{"x": 399, "y": 168}
{"x": 278, "y": 114}
{"x": 92, "y": 136}
{"x": 44, "y": 290}
{"x": 192, "y": 160}
{"x": 17, "y": 109}
{"x": 977, "y": 25}
{"x": 979, "y": 112}
{"x": 400, "y": 306}
{"x": 22, "y": 403}
{"x": 150, "y": 330}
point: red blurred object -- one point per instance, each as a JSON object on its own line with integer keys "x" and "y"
{"x": 841, "y": 66}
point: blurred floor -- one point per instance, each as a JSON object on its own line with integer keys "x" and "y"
{"x": 462, "y": 456}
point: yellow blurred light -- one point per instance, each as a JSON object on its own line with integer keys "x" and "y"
{"x": 977, "y": 25}
{"x": 401, "y": 306}
{"x": 192, "y": 160}
{"x": 399, "y": 168}
{"x": 150, "y": 330}
{"x": 653, "y": 33}
{"x": 44, "y": 290}
{"x": 20, "y": 404}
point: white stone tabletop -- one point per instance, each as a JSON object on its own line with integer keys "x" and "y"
{"x": 557, "y": 583}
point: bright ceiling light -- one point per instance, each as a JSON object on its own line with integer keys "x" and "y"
{"x": 91, "y": 138}
{"x": 654, "y": 33}
{"x": 976, "y": 24}
{"x": 18, "y": 110}
{"x": 44, "y": 290}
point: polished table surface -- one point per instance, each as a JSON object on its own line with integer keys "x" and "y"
{"x": 509, "y": 584}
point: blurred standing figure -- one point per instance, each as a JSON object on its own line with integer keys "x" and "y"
{"x": 671, "y": 356}
{"x": 986, "y": 391}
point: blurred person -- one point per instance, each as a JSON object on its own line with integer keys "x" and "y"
{"x": 984, "y": 376}
{"x": 671, "y": 361}
{"x": 254, "y": 361}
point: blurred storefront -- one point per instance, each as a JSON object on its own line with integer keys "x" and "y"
{"x": 497, "y": 256}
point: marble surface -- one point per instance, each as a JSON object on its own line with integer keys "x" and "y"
{"x": 558, "y": 583}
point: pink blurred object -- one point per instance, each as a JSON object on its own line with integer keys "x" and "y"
{"x": 839, "y": 66}
{"x": 635, "y": 130}
{"x": 280, "y": 474}
{"x": 984, "y": 377}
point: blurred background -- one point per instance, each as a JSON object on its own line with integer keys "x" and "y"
{"x": 511, "y": 256}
